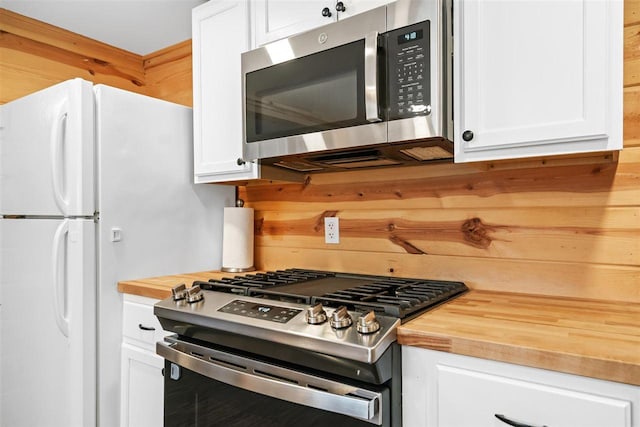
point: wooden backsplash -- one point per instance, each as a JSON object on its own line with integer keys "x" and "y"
{"x": 557, "y": 226}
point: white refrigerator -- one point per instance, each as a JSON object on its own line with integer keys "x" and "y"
{"x": 96, "y": 186}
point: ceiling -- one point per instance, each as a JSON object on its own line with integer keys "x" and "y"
{"x": 139, "y": 26}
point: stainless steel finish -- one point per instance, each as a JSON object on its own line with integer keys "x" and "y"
{"x": 316, "y": 315}
{"x": 333, "y": 35}
{"x": 371, "y": 77}
{"x": 237, "y": 269}
{"x": 274, "y": 381}
{"x": 194, "y": 294}
{"x": 179, "y": 292}
{"x": 373, "y": 133}
{"x": 340, "y": 318}
{"x": 439, "y": 122}
{"x": 347, "y": 343}
{"x": 367, "y": 323}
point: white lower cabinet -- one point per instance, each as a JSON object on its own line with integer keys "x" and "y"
{"x": 142, "y": 387}
{"x": 142, "y": 394}
{"x": 442, "y": 389}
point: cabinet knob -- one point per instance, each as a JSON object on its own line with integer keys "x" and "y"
{"x": 326, "y": 12}
{"x": 240, "y": 162}
{"x": 340, "y": 7}
{"x": 467, "y": 135}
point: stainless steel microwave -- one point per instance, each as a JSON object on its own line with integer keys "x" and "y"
{"x": 368, "y": 91}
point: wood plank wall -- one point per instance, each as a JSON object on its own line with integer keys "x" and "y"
{"x": 557, "y": 226}
{"x": 35, "y": 55}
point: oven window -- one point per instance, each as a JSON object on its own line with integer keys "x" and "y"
{"x": 196, "y": 400}
{"x": 309, "y": 94}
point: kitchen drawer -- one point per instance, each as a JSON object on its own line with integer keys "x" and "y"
{"x": 442, "y": 389}
{"x": 485, "y": 395}
{"x": 140, "y": 324}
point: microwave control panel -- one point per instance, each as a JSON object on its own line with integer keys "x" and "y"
{"x": 408, "y": 71}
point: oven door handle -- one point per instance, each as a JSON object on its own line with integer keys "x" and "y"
{"x": 361, "y": 404}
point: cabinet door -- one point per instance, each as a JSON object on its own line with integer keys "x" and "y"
{"x": 536, "y": 78}
{"x": 277, "y": 19}
{"x": 142, "y": 388}
{"x": 490, "y": 396}
{"x": 443, "y": 389}
{"x": 220, "y": 35}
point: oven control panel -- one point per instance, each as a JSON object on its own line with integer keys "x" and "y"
{"x": 268, "y": 312}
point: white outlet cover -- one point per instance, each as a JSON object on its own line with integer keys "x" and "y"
{"x": 331, "y": 230}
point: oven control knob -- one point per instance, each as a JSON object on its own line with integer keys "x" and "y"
{"x": 367, "y": 323}
{"x": 340, "y": 318}
{"x": 316, "y": 315}
{"x": 179, "y": 292}
{"x": 194, "y": 294}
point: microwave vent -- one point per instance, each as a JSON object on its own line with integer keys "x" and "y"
{"x": 368, "y": 163}
{"x": 297, "y": 165}
{"x": 427, "y": 153}
{"x": 355, "y": 159}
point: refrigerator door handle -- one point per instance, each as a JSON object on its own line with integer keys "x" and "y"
{"x": 57, "y": 163}
{"x": 59, "y": 285}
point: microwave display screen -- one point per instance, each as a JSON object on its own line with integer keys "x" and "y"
{"x": 410, "y": 36}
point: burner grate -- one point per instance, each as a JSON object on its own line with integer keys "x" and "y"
{"x": 392, "y": 296}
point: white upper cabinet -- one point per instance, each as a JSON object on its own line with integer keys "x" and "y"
{"x": 277, "y": 19}
{"x": 354, "y": 7}
{"x": 220, "y": 34}
{"x": 537, "y": 78}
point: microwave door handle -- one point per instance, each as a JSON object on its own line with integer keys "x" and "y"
{"x": 371, "y": 77}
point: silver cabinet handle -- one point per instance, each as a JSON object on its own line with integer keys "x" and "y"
{"x": 371, "y": 77}
{"x": 268, "y": 380}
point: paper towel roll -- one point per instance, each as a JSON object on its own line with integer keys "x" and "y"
{"x": 237, "y": 240}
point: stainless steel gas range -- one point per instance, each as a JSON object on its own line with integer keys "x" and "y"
{"x": 289, "y": 348}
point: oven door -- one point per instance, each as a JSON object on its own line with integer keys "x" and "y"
{"x": 208, "y": 387}
{"x": 315, "y": 91}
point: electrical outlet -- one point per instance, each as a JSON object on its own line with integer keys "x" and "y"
{"x": 331, "y": 229}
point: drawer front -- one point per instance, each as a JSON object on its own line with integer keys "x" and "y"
{"x": 471, "y": 398}
{"x": 140, "y": 324}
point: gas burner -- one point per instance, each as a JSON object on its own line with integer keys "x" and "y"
{"x": 403, "y": 298}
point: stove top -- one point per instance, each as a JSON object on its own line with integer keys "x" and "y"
{"x": 401, "y": 298}
{"x": 350, "y": 316}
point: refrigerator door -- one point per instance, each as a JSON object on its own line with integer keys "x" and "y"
{"x": 153, "y": 219}
{"x": 47, "y": 151}
{"x": 47, "y": 291}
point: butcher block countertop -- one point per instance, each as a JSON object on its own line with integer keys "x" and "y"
{"x": 160, "y": 287}
{"x": 591, "y": 338}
